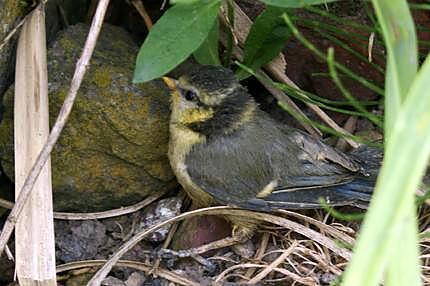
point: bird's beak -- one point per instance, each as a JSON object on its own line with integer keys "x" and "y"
{"x": 170, "y": 82}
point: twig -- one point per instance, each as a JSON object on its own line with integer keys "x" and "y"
{"x": 98, "y": 215}
{"x": 260, "y": 276}
{"x": 164, "y": 273}
{"x": 14, "y": 30}
{"x": 9, "y": 254}
{"x": 221, "y": 243}
{"x": 109, "y": 213}
{"x": 260, "y": 252}
{"x": 221, "y": 210}
{"x": 59, "y": 124}
{"x": 321, "y": 225}
{"x": 303, "y": 280}
{"x": 282, "y": 77}
{"x": 142, "y": 11}
{"x": 349, "y": 126}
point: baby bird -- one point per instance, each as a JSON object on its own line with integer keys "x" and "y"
{"x": 225, "y": 150}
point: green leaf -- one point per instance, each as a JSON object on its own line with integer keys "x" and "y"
{"x": 402, "y": 61}
{"x": 392, "y": 215}
{"x": 178, "y": 33}
{"x": 389, "y": 212}
{"x": 295, "y": 3}
{"x": 207, "y": 53}
{"x": 265, "y": 40}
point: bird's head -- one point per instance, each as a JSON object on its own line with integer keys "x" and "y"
{"x": 210, "y": 100}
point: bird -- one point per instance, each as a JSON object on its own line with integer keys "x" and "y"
{"x": 225, "y": 150}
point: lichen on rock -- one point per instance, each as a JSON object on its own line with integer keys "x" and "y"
{"x": 11, "y": 11}
{"x": 113, "y": 150}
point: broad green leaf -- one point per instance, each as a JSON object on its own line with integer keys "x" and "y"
{"x": 265, "y": 40}
{"x": 178, "y": 33}
{"x": 207, "y": 53}
{"x": 295, "y": 3}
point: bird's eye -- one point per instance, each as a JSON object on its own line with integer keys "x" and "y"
{"x": 190, "y": 95}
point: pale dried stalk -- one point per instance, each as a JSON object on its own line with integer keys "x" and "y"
{"x": 260, "y": 276}
{"x": 142, "y": 12}
{"x": 59, "y": 124}
{"x": 34, "y": 235}
{"x": 99, "y": 215}
{"x": 163, "y": 273}
{"x": 260, "y": 252}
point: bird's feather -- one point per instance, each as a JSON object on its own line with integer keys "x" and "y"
{"x": 264, "y": 165}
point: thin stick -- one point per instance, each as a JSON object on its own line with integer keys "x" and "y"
{"x": 59, "y": 124}
{"x": 221, "y": 210}
{"x": 260, "y": 252}
{"x": 163, "y": 273}
{"x": 349, "y": 126}
{"x": 260, "y": 276}
{"x": 142, "y": 11}
{"x": 14, "y": 30}
{"x": 98, "y": 215}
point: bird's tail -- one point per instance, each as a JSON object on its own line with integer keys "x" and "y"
{"x": 355, "y": 193}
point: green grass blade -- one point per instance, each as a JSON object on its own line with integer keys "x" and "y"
{"x": 402, "y": 63}
{"x": 178, "y": 33}
{"x": 322, "y": 56}
{"x": 403, "y": 268}
{"x": 389, "y": 213}
{"x": 295, "y": 3}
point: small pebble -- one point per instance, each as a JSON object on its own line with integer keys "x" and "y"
{"x": 135, "y": 279}
{"x": 164, "y": 209}
{"x": 112, "y": 281}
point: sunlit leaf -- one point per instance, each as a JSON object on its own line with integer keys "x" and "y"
{"x": 178, "y": 33}
{"x": 265, "y": 40}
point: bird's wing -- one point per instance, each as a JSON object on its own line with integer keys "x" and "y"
{"x": 254, "y": 166}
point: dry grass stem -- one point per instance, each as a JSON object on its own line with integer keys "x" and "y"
{"x": 147, "y": 268}
{"x": 98, "y": 215}
{"x": 143, "y": 13}
{"x": 260, "y": 276}
{"x": 220, "y": 210}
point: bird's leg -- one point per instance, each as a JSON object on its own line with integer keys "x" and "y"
{"x": 239, "y": 235}
{"x": 228, "y": 241}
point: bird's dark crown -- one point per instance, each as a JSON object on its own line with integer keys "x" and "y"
{"x": 219, "y": 90}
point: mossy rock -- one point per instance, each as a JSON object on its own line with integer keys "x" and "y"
{"x": 113, "y": 150}
{"x": 11, "y": 11}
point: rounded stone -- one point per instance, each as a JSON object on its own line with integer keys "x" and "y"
{"x": 113, "y": 150}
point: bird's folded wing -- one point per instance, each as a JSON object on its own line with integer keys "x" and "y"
{"x": 246, "y": 168}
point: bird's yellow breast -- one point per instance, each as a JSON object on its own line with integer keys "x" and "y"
{"x": 181, "y": 141}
